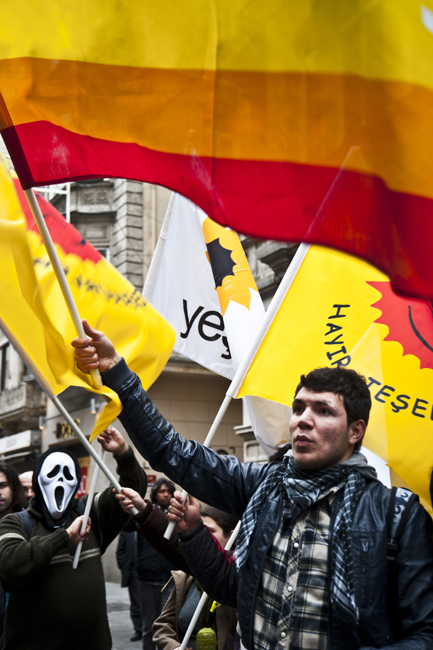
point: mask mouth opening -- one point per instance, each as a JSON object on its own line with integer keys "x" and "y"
{"x": 58, "y": 495}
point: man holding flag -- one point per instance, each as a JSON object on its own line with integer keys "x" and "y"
{"x": 312, "y": 553}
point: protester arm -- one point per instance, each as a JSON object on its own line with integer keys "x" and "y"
{"x": 23, "y": 561}
{"x": 211, "y": 565}
{"x": 152, "y": 523}
{"x": 106, "y": 513}
{"x": 223, "y": 482}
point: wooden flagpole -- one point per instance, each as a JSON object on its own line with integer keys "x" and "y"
{"x": 60, "y": 275}
{"x": 89, "y": 502}
{"x": 90, "y": 449}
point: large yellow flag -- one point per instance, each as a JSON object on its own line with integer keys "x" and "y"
{"x": 33, "y": 312}
{"x": 340, "y": 311}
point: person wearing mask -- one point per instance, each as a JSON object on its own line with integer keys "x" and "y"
{"x": 50, "y": 604}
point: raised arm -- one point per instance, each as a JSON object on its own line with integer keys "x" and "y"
{"x": 151, "y": 523}
{"x": 224, "y": 482}
{"x": 210, "y": 564}
{"x": 108, "y": 517}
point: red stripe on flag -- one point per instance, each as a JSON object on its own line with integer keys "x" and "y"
{"x": 347, "y": 210}
{"x": 62, "y": 233}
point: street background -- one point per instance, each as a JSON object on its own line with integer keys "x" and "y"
{"x": 119, "y": 619}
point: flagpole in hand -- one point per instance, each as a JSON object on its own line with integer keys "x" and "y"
{"x": 60, "y": 275}
{"x": 89, "y": 502}
{"x": 219, "y": 416}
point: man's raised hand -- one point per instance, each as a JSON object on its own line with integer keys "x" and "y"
{"x": 95, "y": 351}
{"x": 186, "y": 517}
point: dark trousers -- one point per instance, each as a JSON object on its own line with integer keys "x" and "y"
{"x": 134, "y": 597}
{"x": 152, "y": 604}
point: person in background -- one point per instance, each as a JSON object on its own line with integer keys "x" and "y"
{"x": 26, "y": 481}
{"x": 153, "y": 570}
{"x": 126, "y": 556}
{"x": 171, "y": 625}
{"x": 12, "y": 499}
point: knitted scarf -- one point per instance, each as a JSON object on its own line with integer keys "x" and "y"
{"x": 303, "y": 488}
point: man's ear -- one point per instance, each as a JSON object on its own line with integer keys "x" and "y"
{"x": 356, "y": 431}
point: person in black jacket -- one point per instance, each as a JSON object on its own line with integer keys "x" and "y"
{"x": 311, "y": 555}
{"x": 12, "y": 499}
{"x": 153, "y": 570}
{"x": 126, "y": 556}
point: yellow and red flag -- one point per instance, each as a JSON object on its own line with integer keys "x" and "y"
{"x": 33, "y": 312}
{"x": 339, "y": 311}
{"x": 302, "y": 120}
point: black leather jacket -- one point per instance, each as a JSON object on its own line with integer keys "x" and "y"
{"x": 396, "y": 610}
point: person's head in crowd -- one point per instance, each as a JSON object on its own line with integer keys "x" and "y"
{"x": 330, "y": 413}
{"x": 26, "y": 481}
{"x": 221, "y": 524}
{"x": 12, "y": 497}
{"x": 162, "y": 492}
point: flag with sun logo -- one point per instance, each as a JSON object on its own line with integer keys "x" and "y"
{"x": 200, "y": 281}
{"x": 339, "y": 311}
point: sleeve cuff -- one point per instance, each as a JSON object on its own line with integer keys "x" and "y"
{"x": 126, "y": 461}
{"x": 143, "y": 515}
{"x": 117, "y": 375}
{"x": 59, "y": 539}
{"x": 190, "y": 536}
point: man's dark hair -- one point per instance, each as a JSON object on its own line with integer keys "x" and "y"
{"x": 224, "y": 520}
{"x": 161, "y": 481}
{"x": 19, "y": 501}
{"x": 346, "y": 383}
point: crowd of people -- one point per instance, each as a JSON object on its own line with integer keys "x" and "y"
{"x": 326, "y": 556}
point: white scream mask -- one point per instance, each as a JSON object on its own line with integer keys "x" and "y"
{"x": 57, "y": 480}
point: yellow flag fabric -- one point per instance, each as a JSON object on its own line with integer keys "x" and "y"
{"x": 33, "y": 312}
{"x": 283, "y": 119}
{"x": 340, "y": 311}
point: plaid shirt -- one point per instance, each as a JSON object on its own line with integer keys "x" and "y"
{"x": 293, "y": 600}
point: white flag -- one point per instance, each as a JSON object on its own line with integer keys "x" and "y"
{"x": 180, "y": 285}
{"x": 200, "y": 281}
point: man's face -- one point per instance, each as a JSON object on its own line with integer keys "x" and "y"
{"x": 319, "y": 431}
{"x": 5, "y": 496}
{"x": 26, "y": 482}
{"x": 163, "y": 496}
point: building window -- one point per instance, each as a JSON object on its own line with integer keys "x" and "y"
{"x": 105, "y": 252}
{"x": 4, "y": 365}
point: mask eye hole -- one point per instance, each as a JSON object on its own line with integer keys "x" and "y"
{"x": 54, "y": 471}
{"x": 67, "y": 473}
